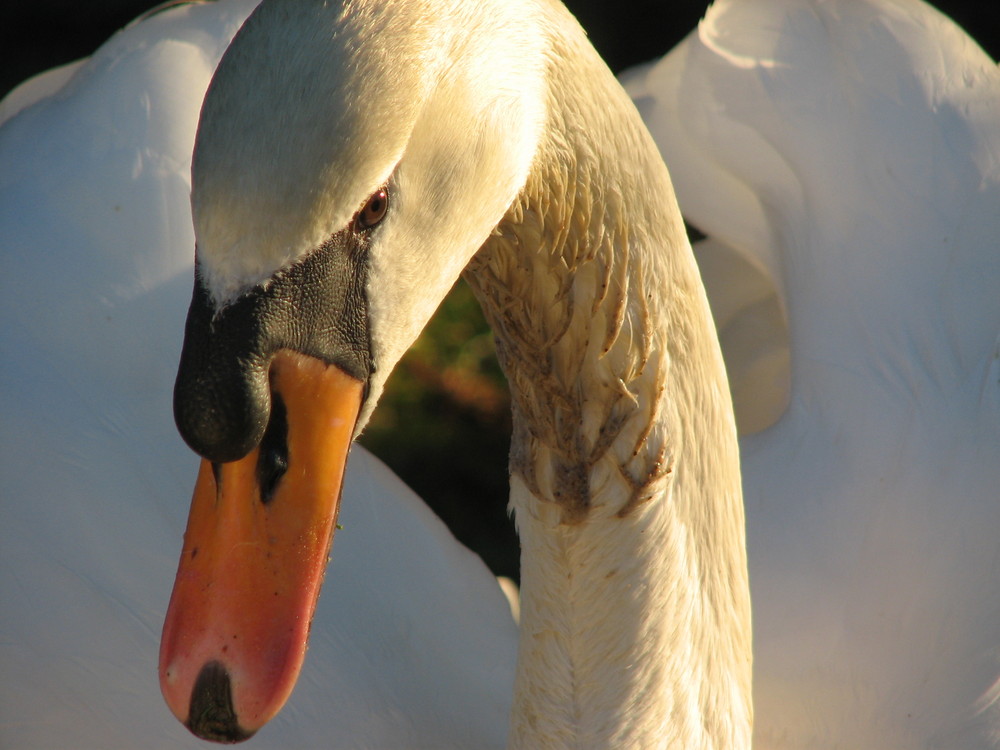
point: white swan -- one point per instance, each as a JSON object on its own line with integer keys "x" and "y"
{"x": 80, "y": 617}
{"x": 851, "y": 150}
{"x": 350, "y": 162}
{"x": 413, "y": 636}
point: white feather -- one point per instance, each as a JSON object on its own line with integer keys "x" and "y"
{"x": 852, "y": 149}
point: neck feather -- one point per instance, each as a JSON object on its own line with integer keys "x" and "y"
{"x": 624, "y": 463}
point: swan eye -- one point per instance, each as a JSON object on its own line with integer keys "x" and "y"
{"x": 373, "y": 210}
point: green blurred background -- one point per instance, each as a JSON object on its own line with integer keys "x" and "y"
{"x": 444, "y": 422}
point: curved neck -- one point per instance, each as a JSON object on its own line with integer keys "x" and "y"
{"x": 624, "y": 464}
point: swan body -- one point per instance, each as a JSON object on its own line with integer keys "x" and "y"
{"x": 97, "y": 258}
{"x": 851, "y": 152}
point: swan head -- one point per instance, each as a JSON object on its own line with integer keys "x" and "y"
{"x": 351, "y": 158}
{"x": 317, "y": 107}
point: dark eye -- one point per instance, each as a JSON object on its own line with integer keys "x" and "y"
{"x": 373, "y": 210}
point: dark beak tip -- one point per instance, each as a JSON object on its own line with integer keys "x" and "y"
{"x": 212, "y": 716}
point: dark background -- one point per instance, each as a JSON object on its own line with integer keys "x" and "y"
{"x": 444, "y": 423}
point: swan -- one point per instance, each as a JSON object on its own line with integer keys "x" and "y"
{"x": 850, "y": 151}
{"x": 97, "y": 263}
{"x": 351, "y": 161}
{"x": 81, "y": 617}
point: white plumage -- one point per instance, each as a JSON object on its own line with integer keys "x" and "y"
{"x": 849, "y": 150}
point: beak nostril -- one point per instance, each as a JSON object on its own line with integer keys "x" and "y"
{"x": 217, "y": 476}
{"x": 272, "y": 461}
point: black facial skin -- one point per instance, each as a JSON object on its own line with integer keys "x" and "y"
{"x": 317, "y": 307}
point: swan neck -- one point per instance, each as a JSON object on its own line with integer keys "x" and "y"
{"x": 624, "y": 465}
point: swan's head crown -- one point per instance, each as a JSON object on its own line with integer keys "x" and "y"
{"x": 317, "y": 104}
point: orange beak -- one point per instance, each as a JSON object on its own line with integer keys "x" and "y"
{"x": 255, "y": 551}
